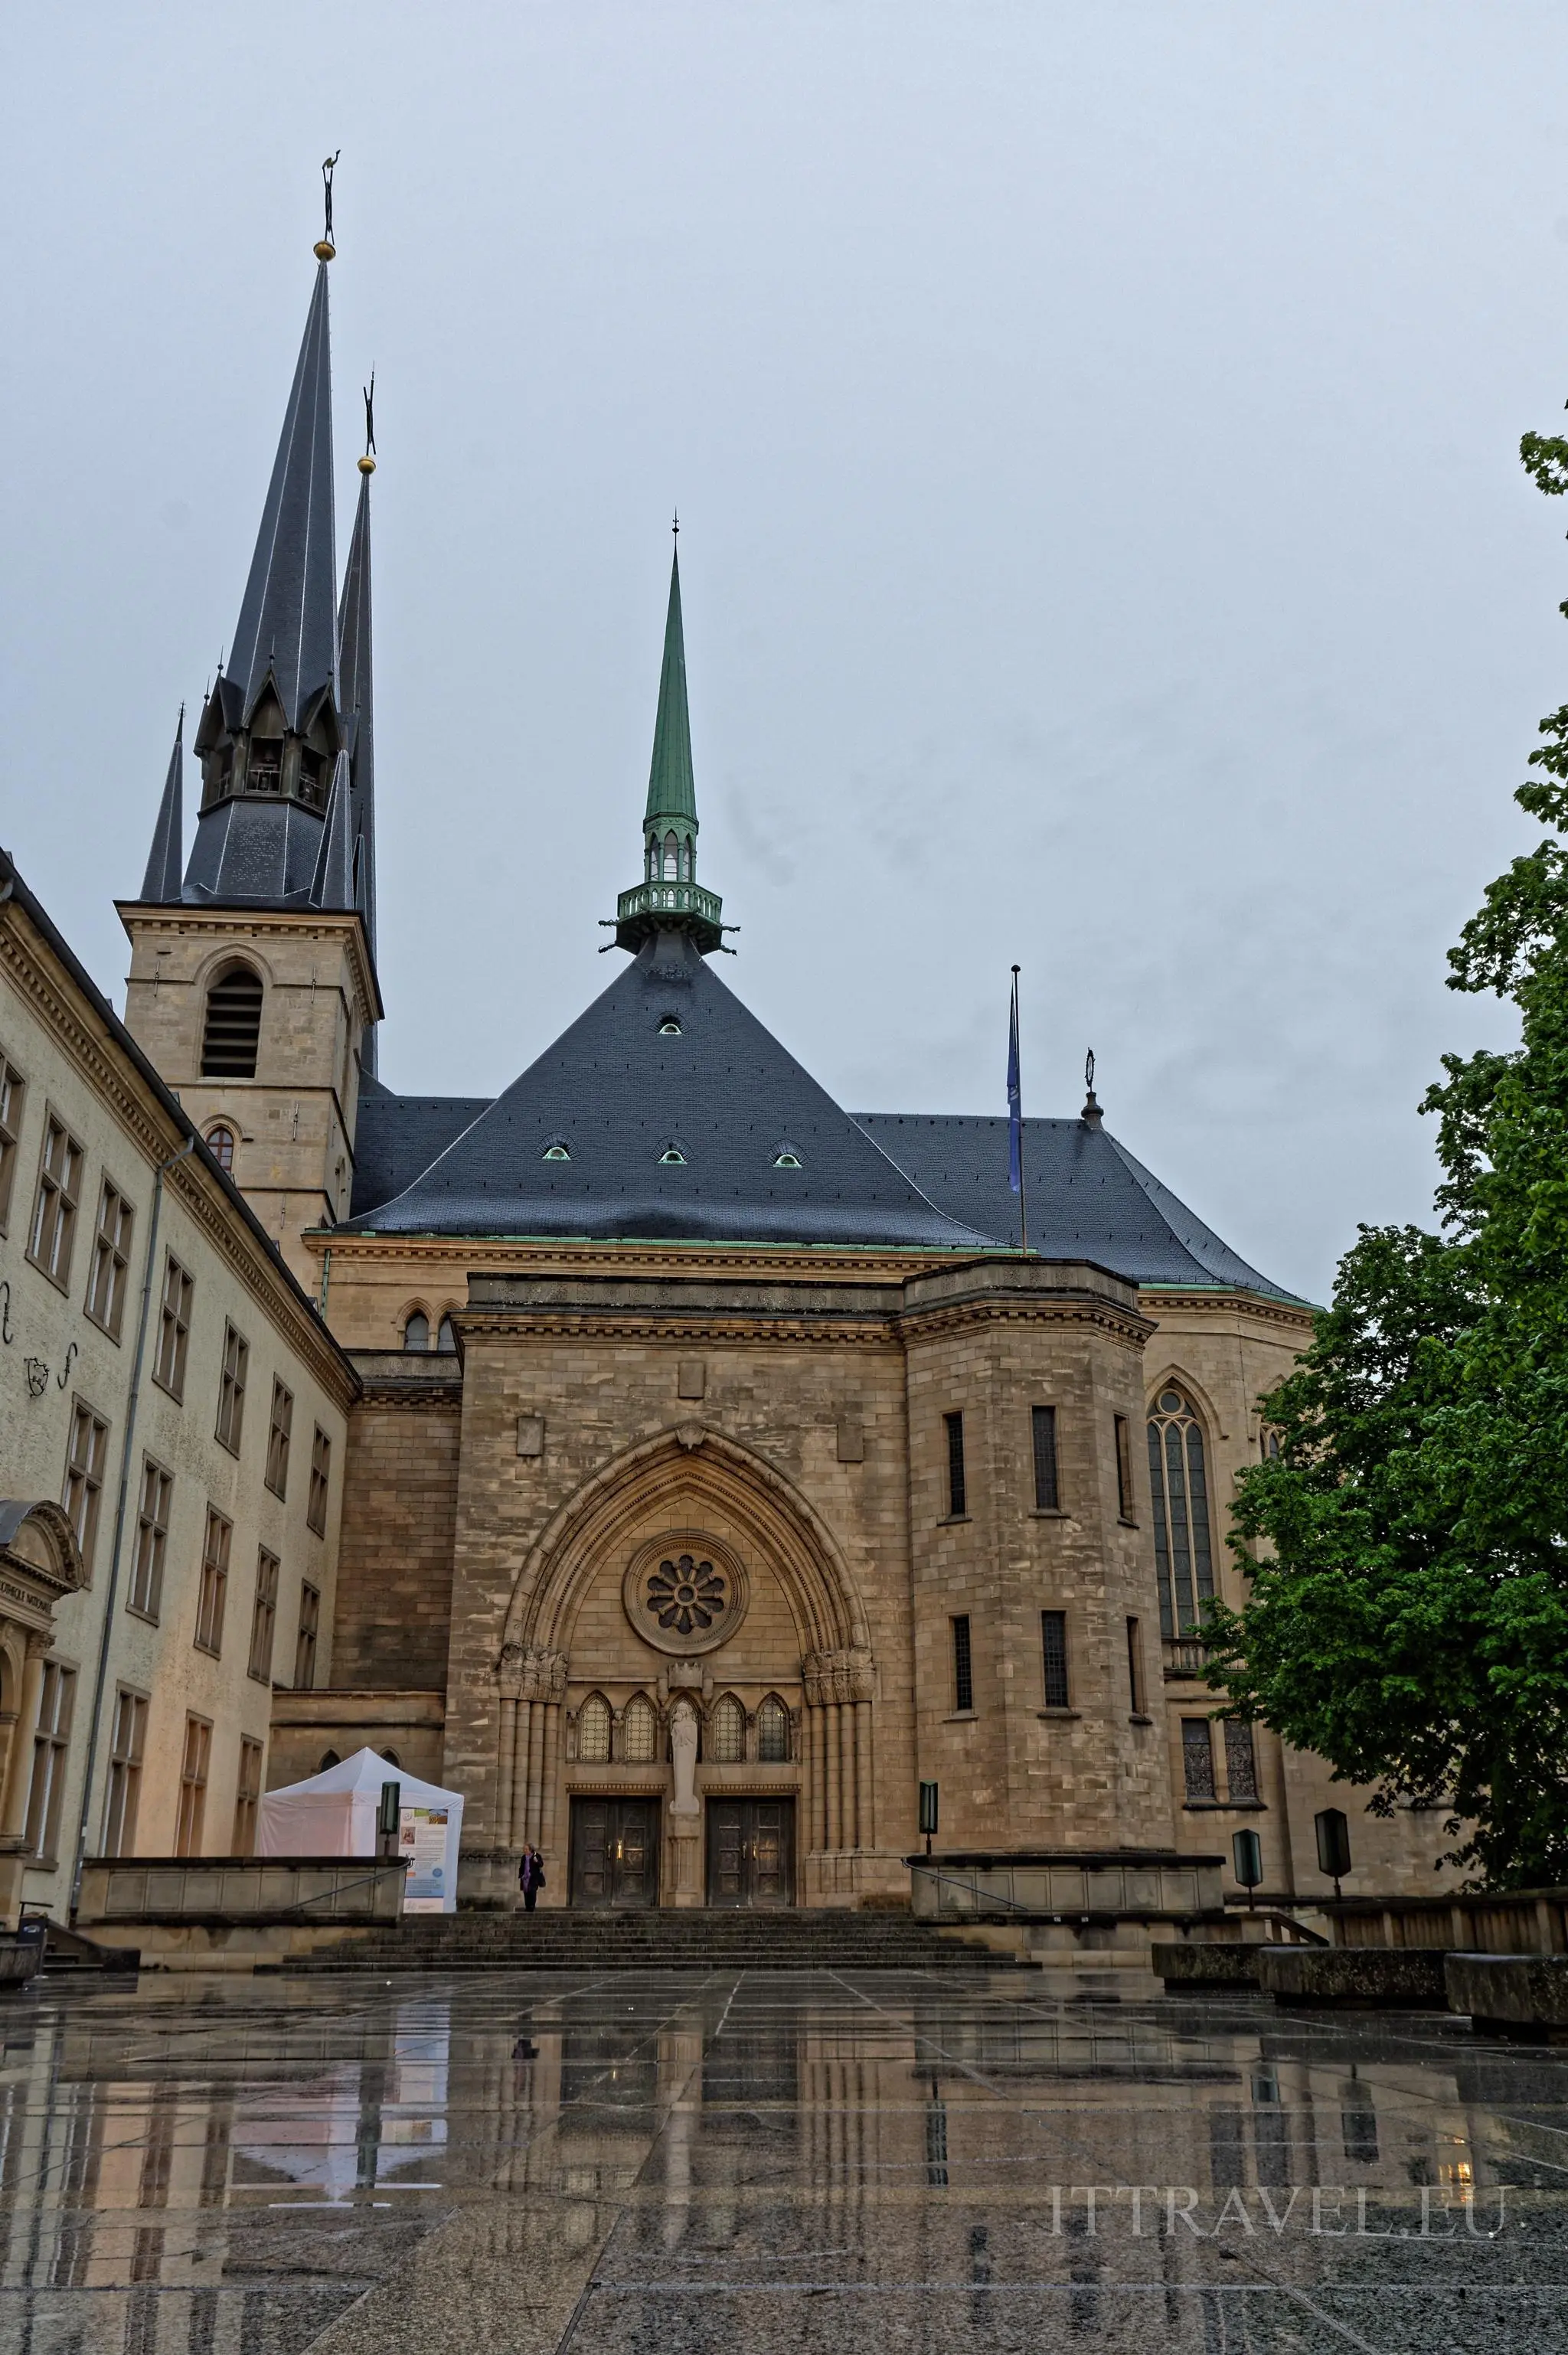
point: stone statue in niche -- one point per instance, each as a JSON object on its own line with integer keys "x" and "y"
{"x": 683, "y": 1757}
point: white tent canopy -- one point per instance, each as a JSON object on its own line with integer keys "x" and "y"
{"x": 335, "y": 1814}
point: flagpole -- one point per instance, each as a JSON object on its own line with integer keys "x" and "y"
{"x": 1023, "y": 1194}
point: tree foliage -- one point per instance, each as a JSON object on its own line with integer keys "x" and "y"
{"x": 1407, "y": 1551}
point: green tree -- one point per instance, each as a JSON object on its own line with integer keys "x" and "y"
{"x": 1407, "y": 1549}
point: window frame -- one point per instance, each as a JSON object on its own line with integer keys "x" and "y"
{"x": 1241, "y": 1762}
{"x": 146, "y": 1595}
{"x": 12, "y": 1110}
{"x": 1192, "y": 1793}
{"x": 231, "y": 970}
{"x": 1055, "y": 1656}
{"x": 1183, "y": 1522}
{"x": 1138, "y": 1687}
{"x": 728, "y": 1710}
{"x": 175, "y": 1317}
{"x": 230, "y": 1428}
{"x": 596, "y": 1701}
{"x": 196, "y": 1773}
{"x": 50, "y": 1763}
{"x": 83, "y": 1510}
{"x": 772, "y": 1705}
{"x": 962, "y": 1652}
{"x": 640, "y": 1703}
{"x": 280, "y": 1435}
{"x": 265, "y": 1617}
{"x": 212, "y": 1591}
{"x": 307, "y": 1636}
{"x": 1047, "y": 1460}
{"x": 958, "y": 1471}
{"x": 248, "y": 1795}
{"x": 110, "y": 1253}
{"x": 1122, "y": 1437}
{"x": 64, "y": 1192}
{"x": 123, "y": 1783}
{"x": 320, "y": 1494}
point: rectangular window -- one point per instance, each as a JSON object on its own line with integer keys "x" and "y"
{"x": 84, "y": 1469}
{"x": 231, "y": 1389}
{"x": 193, "y": 1786}
{"x": 1198, "y": 1759}
{"x": 1054, "y": 1643}
{"x": 304, "y": 1643}
{"x": 110, "y": 1261}
{"x": 282, "y": 1425}
{"x": 13, "y": 1095}
{"x": 1043, "y": 1418}
{"x": 264, "y": 1617}
{"x": 174, "y": 1329}
{"x": 963, "y": 1666}
{"x": 247, "y": 1797}
{"x": 957, "y": 1491}
{"x": 54, "y": 1209}
{"x": 127, "y": 1747}
{"x": 151, "y": 1540}
{"x": 50, "y": 1744}
{"x": 320, "y": 1481}
{"x": 1241, "y": 1763}
{"x": 1123, "y": 1468}
{"x": 214, "y": 1584}
{"x": 1136, "y": 1667}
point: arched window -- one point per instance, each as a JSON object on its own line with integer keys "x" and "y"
{"x": 220, "y": 1145}
{"x": 328, "y": 1758}
{"x": 772, "y": 1732}
{"x": 233, "y": 1025}
{"x": 728, "y": 1732}
{"x": 1178, "y": 1478}
{"x": 639, "y": 1732}
{"x": 416, "y": 1332}
{"x": 686, "y": 859}
{"x": 445, "y": 1339}
{"x": 593, "y": 1730}
{"x": 653, "y": 858}
{"x": 671, "y": 859}
{"x": 392, "y": 1757}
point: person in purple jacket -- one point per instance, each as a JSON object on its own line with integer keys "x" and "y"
{"x": 531, "y": 1877}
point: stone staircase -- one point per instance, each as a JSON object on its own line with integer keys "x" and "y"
{"x": 657, "y": 1939}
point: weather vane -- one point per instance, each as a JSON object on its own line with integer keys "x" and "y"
{"x": 675, "y": 525}
{"x": 326, "y": 249}
{"x": 368, "y": 463}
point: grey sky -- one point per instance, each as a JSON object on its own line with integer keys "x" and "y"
{"x": 1103, "y": 543}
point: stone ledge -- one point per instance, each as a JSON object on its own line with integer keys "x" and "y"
{"x": 1207, "y": 1965}
{"x": 1409, "y": 1977}
{"x": 1523, "y": 1995}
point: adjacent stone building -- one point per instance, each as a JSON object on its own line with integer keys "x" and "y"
{"x": 720, "y": 1465}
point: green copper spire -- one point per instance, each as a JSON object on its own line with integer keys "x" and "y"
{"x": 669, "y": 898}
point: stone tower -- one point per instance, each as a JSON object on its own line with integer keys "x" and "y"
{"x": 252, "y": 984}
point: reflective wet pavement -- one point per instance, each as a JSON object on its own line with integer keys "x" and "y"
{"x": 994, "y": 2161}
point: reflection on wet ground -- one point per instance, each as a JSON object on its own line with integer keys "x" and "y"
{"x": 746, "y": 2161}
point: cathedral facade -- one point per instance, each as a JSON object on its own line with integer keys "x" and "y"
{"x": 721, "y": 1470}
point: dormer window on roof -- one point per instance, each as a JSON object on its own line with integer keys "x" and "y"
{"x": 556, "y": 1152}
{"x": 672, "y": 1156}
{"x": 786, "y": 1157}
{"x": 670, "y": 1026}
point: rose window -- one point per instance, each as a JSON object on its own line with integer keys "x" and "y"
{"x": 687, "y": 1596}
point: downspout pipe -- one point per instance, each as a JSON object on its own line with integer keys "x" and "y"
{"x": 95, "y": 1724}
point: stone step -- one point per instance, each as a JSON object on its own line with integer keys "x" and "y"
{"x": 653, "y": 1939}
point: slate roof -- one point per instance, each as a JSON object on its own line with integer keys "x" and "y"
{"x": 618, "y": 1094}
{"x": 1087, "y": 1197}
{"x": 397, "y": 1137}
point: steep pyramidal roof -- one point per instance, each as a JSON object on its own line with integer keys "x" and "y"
{"x": 288, "y": 622}
{"x": 356, "y": 696}
{"x": 161, "y": 883}
{"x": 667, "y": 1111}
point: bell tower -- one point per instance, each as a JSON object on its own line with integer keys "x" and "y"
{"x": 252, "y": 983}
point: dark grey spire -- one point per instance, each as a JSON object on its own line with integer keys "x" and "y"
{"x": 332, "y": 885}
{"x": 270, "y": 729}
{"x": 356, "y": 697}
{"x": 161, "y": 883}
{"x": 287, "y": 623}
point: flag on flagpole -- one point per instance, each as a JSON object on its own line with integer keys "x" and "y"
{"x": 1015, "y": 1099}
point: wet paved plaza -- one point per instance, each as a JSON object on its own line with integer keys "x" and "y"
{"x": 616, "y": 2164}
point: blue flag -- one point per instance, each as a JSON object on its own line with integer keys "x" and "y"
{"x": 1015, "y": 1102}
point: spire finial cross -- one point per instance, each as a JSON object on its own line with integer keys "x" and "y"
{"x": 675, "y": 526}
{"x": 1089, "y": 1071}
{"x": 325, "y": 250}
{"x": 370, "y": 392}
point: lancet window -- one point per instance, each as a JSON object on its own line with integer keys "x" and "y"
{"x": 1183, "y": 1548}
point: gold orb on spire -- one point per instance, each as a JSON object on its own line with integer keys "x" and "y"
{"x": 367, "y": 465}
{"x": 325, "y": 250}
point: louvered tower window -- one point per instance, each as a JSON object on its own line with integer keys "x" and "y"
{"x": 233, "y": 1027}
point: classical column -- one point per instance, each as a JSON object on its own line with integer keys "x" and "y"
{"x": 865, "y": 1789}
{"x": 848, "y": 1779}
{"x": 835, "y": 1789}
{"x": 508, "y": 1750}
{"x": 533, "y": 1813}
{"x": 551, "y": 1715}
{"x": 19, "y": 1766}
{"x": 816, "y": 1779}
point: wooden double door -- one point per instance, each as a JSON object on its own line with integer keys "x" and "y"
{"x": 614, "y": 1852}
{"x": 750, "y": 1852}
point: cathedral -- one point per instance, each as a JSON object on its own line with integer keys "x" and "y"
{"x": 719, "y": 1469}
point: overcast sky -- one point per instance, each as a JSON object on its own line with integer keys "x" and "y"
{"x": 1104, "y": 545}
